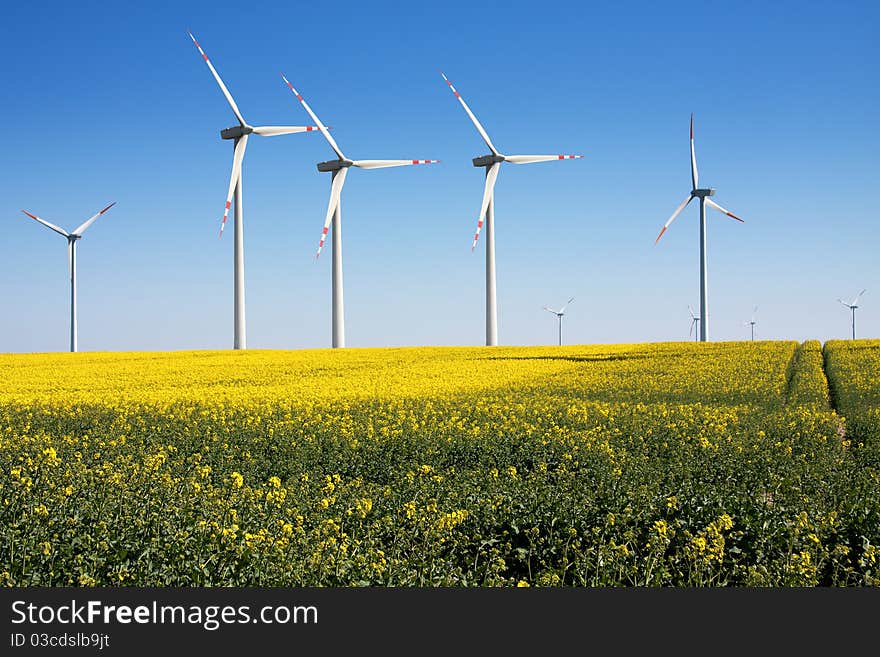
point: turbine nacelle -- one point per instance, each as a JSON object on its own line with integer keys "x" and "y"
{"x": 488, "y": 160}
{"x": 334, "y": 165}
{"x": 703, "y": 193}
{"x": 236, "y": 132}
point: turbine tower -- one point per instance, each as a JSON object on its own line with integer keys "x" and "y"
{"x": 72, "y": 238}
{"x": 694, "y": 321}
{"x": 492, "y": 164}
{"x": 752, "y": 322}
{"x": 239, "y": 136}
{"x": 339, "y": 169}
{"x": 559, "y": 314}
{"x": 703, "y": 195}
{"x": 853, "y": 305}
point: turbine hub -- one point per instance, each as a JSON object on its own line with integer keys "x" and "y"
{"x": 236, "y": 132}
{"x": 334, "y": 165}
{"x": 487, "y": 160}
{"x": 702, "y": 193}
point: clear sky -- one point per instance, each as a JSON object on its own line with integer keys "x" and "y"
{"x": 115, "y": 104}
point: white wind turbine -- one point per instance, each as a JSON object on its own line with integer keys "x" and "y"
{"x": 72, "y": 238}
{"x": 492, "y": 164}
{"x": 853, "y": 305}
{"x": 752, "y": 322}
{"x": 695, "y": 320}
{"x": 239, "y": 135}
{"x": 703, "y": 195}
{"x": 339, "y": 169}
{"x": 559, "y": 315}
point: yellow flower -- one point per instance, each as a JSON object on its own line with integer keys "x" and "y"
{"x": 51, "y": 456}
{"x": 237, "y": 480}
{"x": 661, "y": 528}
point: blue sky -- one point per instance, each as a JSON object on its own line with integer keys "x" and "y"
{"x": 114, "y": 104}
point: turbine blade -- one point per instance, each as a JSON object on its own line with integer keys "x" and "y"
{"x": 857, "y": 297}
{"x": 549, "y": 310}
{"x": 528, "y": 159}
{"x": 335, "y": 193}
{"x": 473, "y": 118}
{"x": 674, "y": 215}
{"x": 58, "y": 230}
{"x": 382, "y": 164}
{"x": 321, "y": 126}
{"x": 223, "y": 88}
{"x": 488, "y": 193}
{"x": 566, "y": 305}
{"x": 713, "y": 204}
{"x": 79, "y": 231}
{"x": 237, "y": 158}
{"x": 845, "y": 303}
{"x": 273, "y": 130}
{"x": 695, "y": 175}
{"x": 693, "y": 323}
{"x": 693, "y": 316}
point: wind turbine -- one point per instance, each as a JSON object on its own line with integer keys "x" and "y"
{"x": 339, "y": 169}
{"x": 492, "y": 164}
{"x": 72, "y": 238}
{"x": 752, "y": 322}
{"x": 559, "y": 314}
{"x": 239, "y": 135}
{"x": 703, "y": 195}
{"x": 694, "y": 321}
{"x": 852, "y": 306}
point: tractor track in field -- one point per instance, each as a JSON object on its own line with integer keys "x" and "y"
{"x": 832, "y": 392}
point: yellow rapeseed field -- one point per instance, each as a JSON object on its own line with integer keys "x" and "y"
{"x": 610, "y": 465}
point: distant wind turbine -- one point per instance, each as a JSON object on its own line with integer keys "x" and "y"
{"x": 72, "y": 238}
{"x": 752, "y": 322}
{"x": 492, "y": 164}
{"x": 853, "y": 305}
{"x": 559, "y": 314}
{"x": 703, "y": 195}
{"x": 239, "y": 135}
{"x": 339, "y": 169}
{"x": 694, "y": 321}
